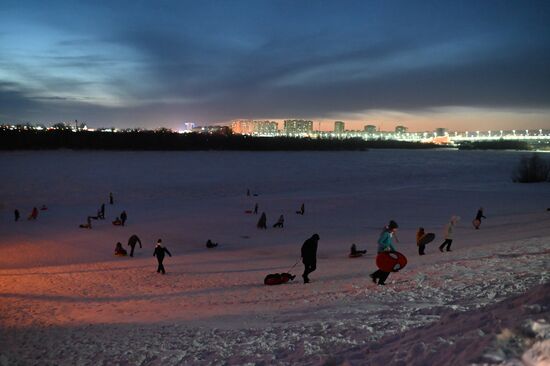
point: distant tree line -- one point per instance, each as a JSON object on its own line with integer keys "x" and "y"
{"x": 168, "y": 140}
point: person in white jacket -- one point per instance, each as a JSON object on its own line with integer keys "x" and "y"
{"x": 449, "y": 234}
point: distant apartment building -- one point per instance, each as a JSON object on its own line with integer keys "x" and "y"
{"x": 401, "y": 129}
{"x": 339, "y": 127}
{"x": 253, "y": 127}
{"x": 298, "y": 126}
{"x": 370, "y": 129}
{"x": 440, "y": 131}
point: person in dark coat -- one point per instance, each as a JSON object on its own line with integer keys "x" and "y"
{"x": 309, "y": 256}
{"x": 256, "y": 209}
{"x": 385, "y": 245}
{"x": 16, "y": 214}
{"x": 355, "y": 252}
{"x": 123, "y": 217}
{"x": 101, "y": 212}
{"x": 262, "y": 222}
{"x": 302, "y": 210}
{"x": 159, "y": 253}
{"x": 134, "y": 239}
{"x": 111, "y": 199}
{"x": 280, "y": 223}
{"x": 210, "y": 244}
{"x": 479, "y": 216}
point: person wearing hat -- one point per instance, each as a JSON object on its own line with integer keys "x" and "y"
{"x": 385, "y": 245}
{"x": 159, "y": 253}
{"x": 309, "y": 256}
{"x": 449, "y": 232}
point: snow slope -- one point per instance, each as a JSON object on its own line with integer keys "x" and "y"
{"x": 65, "y": 299}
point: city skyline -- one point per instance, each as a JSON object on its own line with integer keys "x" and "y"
{"x": 458, "y": 65}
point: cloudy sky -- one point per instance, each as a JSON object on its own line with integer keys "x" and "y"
{"x": 425, "y": 64}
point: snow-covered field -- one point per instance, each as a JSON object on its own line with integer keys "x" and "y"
{"x": 66, "y": 300}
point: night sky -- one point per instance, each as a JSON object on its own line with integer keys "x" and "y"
{"x": 456, "y": 64}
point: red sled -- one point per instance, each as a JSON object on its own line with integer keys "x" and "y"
{"x": 391, "y": 261}
{"x": 248, "y": 212}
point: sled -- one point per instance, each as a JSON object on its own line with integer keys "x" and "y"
{"x": 476, "y": 223}
{"x": 391, "y": 261}
{"x": 277, "y": 278}
{"x": 355, "y": 255}
{"x": 427, "y": 238}
{"x": 248, "y": 212}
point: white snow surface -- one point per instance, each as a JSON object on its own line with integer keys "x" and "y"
{"x": 66, "y": 300}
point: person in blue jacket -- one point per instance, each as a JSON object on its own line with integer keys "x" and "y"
{"x": 385, "y": 245}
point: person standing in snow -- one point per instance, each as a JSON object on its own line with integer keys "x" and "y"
{"x": 385, "y": 245}
{"x": 134, "y": 239}
{"x": 16, "y": 214}
{"x": 479, "y": 216}
{"x": 111, "y": 199}
{"x": 309, "y": 256}
{"x": 101, "y": 212}
{"x": 34, "y": 214}
{"x": 262, "y": 222}
{"x": 449, "y": 234}
{"x": 302, "y": 210}
{"x": 123, "y": 217}
{"x": 256, "y": 209}
{"x": 419, "y": 235}
{"x": 159, "y": 253}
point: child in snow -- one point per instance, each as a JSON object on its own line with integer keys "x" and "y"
{"x": 159, "y": 253}
{"x": 356, "y": 253}
{"x": 280, "y": 222}
{"x": 119, "y": 250}
{"x": 479, "y": 216}
{"x": 385, "y": 245}
{"x": 210, "y": 244}
{"x": 34, "y": 214}
{"x": 449, "y": 233}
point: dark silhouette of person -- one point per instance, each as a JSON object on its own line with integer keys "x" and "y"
{"x": 101, "y": 212}
{"x": 385, "y": 245}
{"x": 280, "y": 223}
{"x": 210, "y": 244}
{"x": 111, "y": 199}
{"x": 302, "y": 210}
{"x": 309, "y": 256}
{"x": 16, "y": 214}
{"x": 262, "y": 222}
{"x": 354, "y": 251}
{"x": 256, "y": 209}
{"x": 134, "y": 239}
{"x": 419, "y": 235}
{"x": 159, "y": 253}
{"x": 119, "y": 250}
{"x": 123, "y": 217}
{"x": 479, "y": 216}
{"x": 34, "y": 214}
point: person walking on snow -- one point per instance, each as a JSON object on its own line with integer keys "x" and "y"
{"x": 159, "y": 253}
{"x": 385, "y": 245}
{"x": 479, "y": 216}
{"x": 256, "y": 209}
{"x": 449, "y": 234}
{"x": 134, "y": 239}
{"x": 302, "y": 210}
{"x": 34, "y": 214}
{"x": 101, "y": 212}
{"x": 309, "y": 256}
{"x": 111, "y": 199}
{"x": 123, "y": 217}
{"x": 16, "y": 214}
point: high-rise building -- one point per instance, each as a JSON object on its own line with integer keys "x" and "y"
{"x": 298, "y": 126}
{"x": 339, "y": 127}
{"x": 250, "y": 127}
{"x": 370, "y": 129}
{"x": 401, "y": 129}
{"x": 440, "y": 131}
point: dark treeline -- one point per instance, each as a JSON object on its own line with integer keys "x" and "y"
{"x": 166, "y": 140}
{"x": 495, "y": 145}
